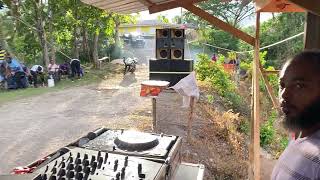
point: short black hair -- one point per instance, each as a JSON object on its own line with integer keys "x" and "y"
{"x": 309, "y": 56}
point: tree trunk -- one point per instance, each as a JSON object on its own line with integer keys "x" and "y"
{"x": 76, "y": 32}
{"x": 85, "y": 44}
{"x": 95, "y": 49}
{"x": 76, "y": 43}
{"x": 45, "y": 50}
{"x": 116, "y": 34}
{"x": 41, "y": 33}
{"x": 52, "y": 47}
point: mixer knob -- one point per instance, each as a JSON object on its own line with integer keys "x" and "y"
{"x": 54, "y": 170}
{"x": 116, "y": 161}
{"x": 78, "y": 168}
{"x": 99, "y": 154}
{"x": 113, "y": 148}
{"x": 85, "y": 156}
{"x": 85, "y": 162}
{"x": 78, "y": 155}
{"x": 78, "y": 161}
{"x": 55, "y": 163}
{"x": 61, "y": 178}
{"x": 63, "y": 164}
{"x": 53, "y": 177}
{"x": 87, "y": 170}
{"x": 62, "y": 172}
{"x": 70, "y": 159}
{"x": 94, "y": 164}
{"x": 79, "y": 176}
{"x": 70, "y": 166}
{"x": 70, "y": 174}
{"x": 118, "y": 176}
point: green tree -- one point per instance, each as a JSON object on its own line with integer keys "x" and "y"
{"x": 162, "y": 19}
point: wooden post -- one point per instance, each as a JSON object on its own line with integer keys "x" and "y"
{"x": 273, "y": 98}
{"x": 190, "y": 120}
{"x": 312, "y": 32}
{"x": 154, "y": 114}
{"x": 255, "y": 165}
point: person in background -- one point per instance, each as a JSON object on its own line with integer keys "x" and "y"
{"x": 13, "y": 64}
{"x": 65, "y": 68}
{"x": 54, "y": 71}
{"x": 16, "y": 78}
{"x": 53, "y": 67}
{"x": 300, "y": 104}
{"x": 75, "y": 68}
{"x": 214, "y": 58}
{"x": 37, "y": 71}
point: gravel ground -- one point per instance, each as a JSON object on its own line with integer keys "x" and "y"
{"x": 34, "y": 127}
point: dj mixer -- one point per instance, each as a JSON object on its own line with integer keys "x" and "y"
{"x": 83, "y": 164}
{"x": 107, "y": 154}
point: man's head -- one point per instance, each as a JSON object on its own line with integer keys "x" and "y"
{"x": 8, "y": 57}
{"x": 39, "y": 69}
{"x": 300, "y": 91}
{"x": 51, "y": 61}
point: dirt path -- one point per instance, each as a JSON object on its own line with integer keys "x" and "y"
{"x": 33, "y": 127}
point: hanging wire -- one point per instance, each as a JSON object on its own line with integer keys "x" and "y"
{"x": 262, "y": 48}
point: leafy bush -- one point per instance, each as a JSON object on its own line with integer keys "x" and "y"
{"x": 215, "y": 74}
{"x": 267, "y": 131}
{"x": 220, "y": 81}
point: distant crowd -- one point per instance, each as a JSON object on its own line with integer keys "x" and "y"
{"x": 15, "y": 74}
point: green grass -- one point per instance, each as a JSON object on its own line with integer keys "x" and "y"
{"x": 91, "y": 77}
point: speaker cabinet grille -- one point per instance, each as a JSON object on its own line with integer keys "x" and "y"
{"x": 163, "y": 53}
{"x": 163, "y": 33}
{"x": 177, "y": 54}
{"x": 177, "y": 33}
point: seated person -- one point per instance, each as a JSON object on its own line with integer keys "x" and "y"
{"x": 14, "y": 64}
{"x": 65, "y": 68}
{"x": 17, "y": 77}
{"x": 37, "y": 71}
{"x": 75, "y": 68}
{"x": 53, "y": 67}
{"x": 54, "y": 71}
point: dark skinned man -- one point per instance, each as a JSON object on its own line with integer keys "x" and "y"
{"x": 300, "y": 103}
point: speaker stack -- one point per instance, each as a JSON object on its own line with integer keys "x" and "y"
{"x": 170, "y": 64}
